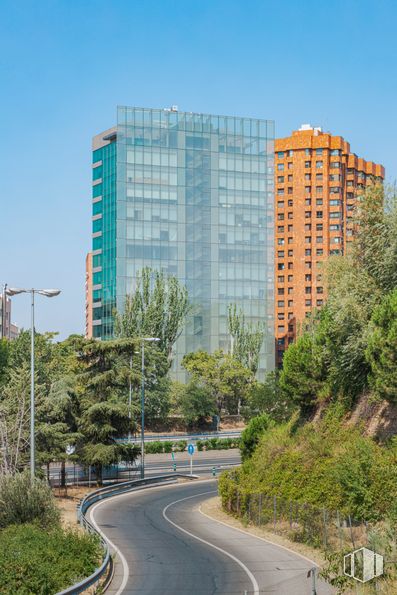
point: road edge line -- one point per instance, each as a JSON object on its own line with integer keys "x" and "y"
{"x": 234, "y": 558}
{"x": 284, "y": 547}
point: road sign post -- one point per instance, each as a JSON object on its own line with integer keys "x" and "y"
{"x": 191, "y": 450}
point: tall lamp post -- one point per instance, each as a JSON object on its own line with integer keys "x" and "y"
{"x": 143, "y": 339}
{"x": 47, "y": 293}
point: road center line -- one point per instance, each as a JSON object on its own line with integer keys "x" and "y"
{"x": 239, "y": 562}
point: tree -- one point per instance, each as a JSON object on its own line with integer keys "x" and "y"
{"x": 246, "y": 338}
{"x": 303, "y": 376}
{"x": 157, "y": 308}
{"x": 381, "y": 352}
{"x": 251, "y": 435}
{"x": 226, "y": 378}
{"x": 103, "y": 418}
{"x": 266, "y": 397}
{"x": 196, "y": 403}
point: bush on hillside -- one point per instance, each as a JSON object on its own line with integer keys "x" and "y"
{"x": 252, "y": 434}
{"x": 36, "y": 561}
{"x": 22, "y": 501}
{"x": 326, "y": 465}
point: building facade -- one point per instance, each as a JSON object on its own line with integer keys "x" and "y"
{"x": 317, "y": 180}
{"x": 192, "y": 195}
{"x": 8, "y": 330}
{"x": 88, "y": 296}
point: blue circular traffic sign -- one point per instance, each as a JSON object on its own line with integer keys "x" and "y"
{"x": 190, "y": 449}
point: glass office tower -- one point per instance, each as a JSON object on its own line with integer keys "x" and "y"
{"x": 191, "y": 194}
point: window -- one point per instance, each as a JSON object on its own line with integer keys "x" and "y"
{"x": 320, "y": 290}
{"x": 335, "y": 227}
{"x": 280, "y": 154}
{"x": 290, "y": 166}
{"x": 308, "y": 226}
{"x": 319, "y": 214}
{"x": 336, "y": 178}
{"x": 280, "y": 229}
{"x": 319, "y": 227}
{"x": 335, "y": 152}
{"x": 280, "y": 179}
{"x": 319, "y": 302}
{"x": 308, "y": 252}
{"x": 280, "y": 303}
{"x": 290, "y": 315}
{"x": 290, "y": 328}
{"x": 289, "y": 189}
{"x": 336, "y": 240}
{"x": 319, "y": 201}
{"x": 308, "y": 164}
{"x": 280, "y": 279}
{"x": 319, "y": 252}
{"x": 319, "y": 164}
{"x": 308, "y": 176}
{"x": 290, "y": 177}
{"x": 308, "y": 152}
{"x": 290, "y": 265}
{"x": 308, "y": 278}
{"x": 308, "y": 202}
{"x": 280, "y": 241}
{"x": 319, "y": 151}
{"x": 280, "y": 166}
{"x": 335, "y": 190}
{"x": 290, "y": 153}
{"x": 308, "y": 240}
{"x": 319, "y": 239}
{"x": 290, "y": 252}
{"x": 334, "y": 215}
{"x": 280, "y": 291}
{"x": 308, "y": 289}
{"x": 334, "y": 202}
{"x": 308, "y": 189}
{"x": 290, "y": 203}
{"x": 290, "y": 278}
{"x": 280, "y": 266}
{"x": 319, "y": 189}
{"x": 280, "y": 204}
{"x": 290, "y": 303}
{"x": 280, "y": 254}
{"x": 280, "y": 216}
{"x": 281, "y": 316}
{"x": 335, "y": 164}
{"x": 290, "y": 290}
{"x": 319, "y": 177}
{"x": 280, "y": 190}
{"x": 290, "y": 227}
{"x": 290, "y": 216}
{"x": 308, "y": 265}
{"x": 350, "y": 183}
{"x": 308, "y": 214}
{"x": 308, "y": 303}
{"x": 290, "y": 240}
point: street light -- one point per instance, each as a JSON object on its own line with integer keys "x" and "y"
{"x": 143, "y": 339}
{"x": 47, "y": 293}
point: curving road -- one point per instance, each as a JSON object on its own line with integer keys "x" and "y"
{"x": 166, "y": 546}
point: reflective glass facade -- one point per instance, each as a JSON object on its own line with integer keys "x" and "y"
{"x": 191, "y": 194}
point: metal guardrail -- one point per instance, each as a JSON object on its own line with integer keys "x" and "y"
{"x": 179, "y": 437}
{"x": 101, "y": 494}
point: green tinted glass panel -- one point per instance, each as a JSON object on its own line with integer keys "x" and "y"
{"x": 97, "y": 278}
{"x": 97, "y": 191}
{"x": 97, "y": 225}
{"x": 96, "y": 260}
{"x": 97, "y": 243}
{"x": 96, "y": 155}
{"x": 97, "y": 207}
{"x": 97, "y": 173}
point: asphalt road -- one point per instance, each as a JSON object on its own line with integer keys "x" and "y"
{"x": 168, "y": 547}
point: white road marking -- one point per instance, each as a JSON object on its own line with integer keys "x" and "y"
{"x": 126, "y": 570}
{"x": 239, "y": 562}
{"x": 257, "y": 537}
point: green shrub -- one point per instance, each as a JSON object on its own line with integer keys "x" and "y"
{"x": 153, "y": 448}
{"x": 181, "y": 445}
{"x": 36, "y": 561}
{"x": 252, "y": 433}
{"x": 22, "y": 501}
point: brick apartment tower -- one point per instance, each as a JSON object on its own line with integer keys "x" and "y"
{"x": 317, "y": 180}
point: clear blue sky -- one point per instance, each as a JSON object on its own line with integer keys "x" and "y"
{"x": 66, "y": 64}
